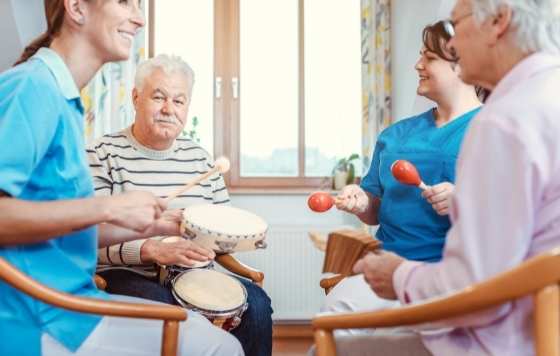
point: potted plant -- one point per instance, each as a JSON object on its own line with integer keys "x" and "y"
{"x": 192, "y": 134}
{"x": 344, "y": 171}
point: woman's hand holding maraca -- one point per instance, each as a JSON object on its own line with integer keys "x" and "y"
{"x": 352, "y": 199}
{"x": 439, "y": 196}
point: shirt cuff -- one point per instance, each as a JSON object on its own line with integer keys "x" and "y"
{"x": 130, "y": 252}
{"x": 401, "y": 277}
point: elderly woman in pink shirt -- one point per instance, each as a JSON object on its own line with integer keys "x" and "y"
{"x": 506, "y": 205}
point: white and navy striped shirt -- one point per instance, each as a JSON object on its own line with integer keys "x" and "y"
{"x": 119, "y": 164}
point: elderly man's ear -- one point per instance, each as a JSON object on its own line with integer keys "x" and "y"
{"x": 500, "y": 23}
{"x": 134, "y": 96}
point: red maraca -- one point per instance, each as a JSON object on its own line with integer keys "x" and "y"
{"x": 406, "y": 173}
{"x": 320, "y": 201}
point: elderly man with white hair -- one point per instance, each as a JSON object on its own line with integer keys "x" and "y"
{"x": 151, "y": 156}
{"x": 506, "y": 205}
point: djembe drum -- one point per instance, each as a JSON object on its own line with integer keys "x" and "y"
{"x": 219, "y": 297}
{"x": 224, "y": 229}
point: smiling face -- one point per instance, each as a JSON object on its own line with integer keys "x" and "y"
{"x": 111, "y": 26}
{"x": 162, "y": 105}
{"x": 436, "y": 75}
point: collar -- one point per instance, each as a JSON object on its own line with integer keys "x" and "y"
{"x": 526, "y": 68}
{"x": 60, "y": 71}
{"x": 148, "y": 152}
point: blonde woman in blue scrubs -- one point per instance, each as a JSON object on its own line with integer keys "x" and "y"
{"x": 411, "y": 223}
{"x": 49, "y": 217}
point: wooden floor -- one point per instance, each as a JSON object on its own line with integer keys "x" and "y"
{"x": 291, "y": 340}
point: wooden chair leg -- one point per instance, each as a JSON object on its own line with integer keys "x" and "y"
{"x": 324, "y": 342}
{"x": 547, "y": 321}
{"x": 170, "y": 338}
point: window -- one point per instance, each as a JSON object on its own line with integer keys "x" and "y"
{"x": 278, "y": 83}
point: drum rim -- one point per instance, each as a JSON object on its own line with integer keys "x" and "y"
{"x": 212, "y": 313}
{"x": 221, "y": 313}
{"x": 218, "y": 234}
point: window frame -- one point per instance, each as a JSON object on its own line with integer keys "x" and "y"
{"x": 227, "y": 109}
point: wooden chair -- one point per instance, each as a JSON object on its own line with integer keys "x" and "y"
{"x": 235, "y": 266}
{"x": 171, "y": 315}
{"x": 227, "y": 261}
{"x": 538, "y": 276}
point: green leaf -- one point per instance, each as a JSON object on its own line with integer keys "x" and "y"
{"x": 351, "y": 174}
{"x": 353, "y": 157}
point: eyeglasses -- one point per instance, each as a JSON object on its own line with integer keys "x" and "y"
{"x": 450, "y": 25}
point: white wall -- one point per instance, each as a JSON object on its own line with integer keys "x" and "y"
{"x": 20, "y": 22}
{"x": 9, "y": 36}
{"x": 30, "y": 19}
{"x": 292, "y": 265}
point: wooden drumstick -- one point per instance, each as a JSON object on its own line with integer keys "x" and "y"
{"x": 220, "y": 165}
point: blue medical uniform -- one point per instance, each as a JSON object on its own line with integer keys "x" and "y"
{"x": 42, "y": 158}
{"x": 408, "y": 225}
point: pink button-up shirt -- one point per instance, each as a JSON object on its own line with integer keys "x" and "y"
{"x": 506, "y": 209}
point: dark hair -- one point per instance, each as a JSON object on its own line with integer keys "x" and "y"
{"x": 54, "y": 13}
{"x": 435, "y": 38}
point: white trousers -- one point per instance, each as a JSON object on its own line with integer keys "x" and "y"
{"x": 142, "y": 337}
{"x": 353, "y": 294}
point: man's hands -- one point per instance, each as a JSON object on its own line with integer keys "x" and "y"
{"x": 378, "y": 269}
{"x": 352, "y": 199}
{"x": 181, "y": 252}
{"x": 439, "y": 195}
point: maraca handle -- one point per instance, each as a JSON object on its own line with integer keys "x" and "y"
{"x": 422, "y": 186}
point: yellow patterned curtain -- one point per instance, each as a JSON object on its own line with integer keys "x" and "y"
{"x": 107, "y": 98}
{"x": 376, "y": 73}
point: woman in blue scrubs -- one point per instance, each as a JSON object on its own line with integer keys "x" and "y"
{"x": 48, "y": 211}
{"x": 412, "y": 223}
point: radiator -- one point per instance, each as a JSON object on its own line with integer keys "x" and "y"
{"x": 292, "y": 268}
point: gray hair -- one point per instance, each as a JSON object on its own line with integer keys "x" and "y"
{"x": 169, "y": 64}
{"x": 536, "y": 22}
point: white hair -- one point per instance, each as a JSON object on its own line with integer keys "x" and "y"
{"x": 536, "y": 22}
{"x": 169, "y": 64}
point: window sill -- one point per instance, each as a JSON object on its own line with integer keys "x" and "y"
{"x": 275, "y": 191}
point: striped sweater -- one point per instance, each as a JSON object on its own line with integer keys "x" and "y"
{"x": 119, "y": 163}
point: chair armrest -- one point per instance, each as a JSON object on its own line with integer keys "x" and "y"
{"x": 24, "y": 283}
{"x": 233, "y": 265}
{"x": 328, "y": 283}
{"x": 525, "y": 279}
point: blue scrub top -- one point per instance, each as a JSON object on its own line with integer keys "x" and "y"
{"x": 42, "y": 158}
{"x": 408, "y": 225}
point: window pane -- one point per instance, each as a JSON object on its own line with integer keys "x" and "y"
{"x": 269, "y": 88}
{"x": 333, "y": 107}
{"x": 186, "y": 28}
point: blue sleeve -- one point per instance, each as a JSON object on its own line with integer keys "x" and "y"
{"x": 371, "y": 182}
{"x": 27, "y": 126}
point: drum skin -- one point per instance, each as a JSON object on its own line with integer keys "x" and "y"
{"x": 223, "y": 228}
{"x": 217, "y": 296}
